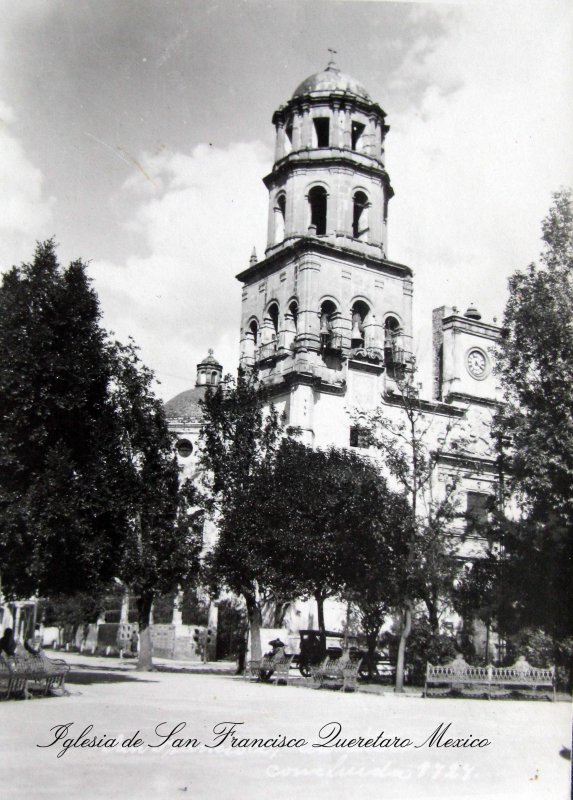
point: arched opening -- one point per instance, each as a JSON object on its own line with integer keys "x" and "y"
{"x": 254, "y": 329}
{"x": 293, "y": 308}
{"x": 213, "y": 378}
{"x": 327, "y": 310}
{"x": 391, "y": 328}
{"x": 273, "y": 313}
{"x": 360, "y": 215}
{"x": 360, "y": 313}
{"x": 321, "y": 132}
{"x": 317, "y": 203}
{"x": 330, "y": 340}
{"x": 356, "y": 136}
{"x": 280, "y": 212}
{"x": 393, "y": 352}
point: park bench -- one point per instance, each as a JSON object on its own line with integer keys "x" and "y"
{"x": 23, "y": 674}
{"x": 340, "y": 673}
{"x": 493, "y": 681}
{"x": 270, "y": 668}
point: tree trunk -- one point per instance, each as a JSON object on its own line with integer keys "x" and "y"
{"x": 320, "y": 614}
{"x": 371, "y": 642}
{"x": 255, "y": 622}
{"x": 404, "y": 633}
{"x": 433, "y": 617}
{"x": 144, "y": 603}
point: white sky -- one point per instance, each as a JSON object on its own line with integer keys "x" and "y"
{"x": 137, "y": 133}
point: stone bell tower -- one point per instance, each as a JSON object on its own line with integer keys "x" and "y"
{"x": 326, "y": 316}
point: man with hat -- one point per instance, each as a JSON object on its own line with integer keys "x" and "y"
{"x": 276, "y": 654}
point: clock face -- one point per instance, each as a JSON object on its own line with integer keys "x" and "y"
{"x": 477, "y": 363}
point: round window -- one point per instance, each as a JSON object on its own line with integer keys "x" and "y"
{"x": 184, "y": 448}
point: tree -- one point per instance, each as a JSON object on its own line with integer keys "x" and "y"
{"x": 535, "y": 427}
{"x": 239, "y": 442}
{"x": 342, "y": 531}
{"x": 376, "y": 553}
{"x": 88, "y": 479}
{"x": 162, "y": 538}
{"x": 412, "y": 455}
{"x": 57, "y": 433}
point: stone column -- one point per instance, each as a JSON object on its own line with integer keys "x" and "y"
{"x": 124, "y": 613}
{"x": 308, "y": 315}
{"x": 297, "y": 131}
{"x": 306, "y": 128}
{"x": 347, "y": 130}
{"x": 248, "y": 350}
{"x": 177, "y": 614}
{"x": 280, "y": 141}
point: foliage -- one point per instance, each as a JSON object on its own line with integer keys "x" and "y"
{"x": 55, "y": 440}
{"x": 535, "y": 365}
{"x": 535, "y": 432}
{"x": 239, "y": 443}
{"x": 71, "y": 611}
{"x": 322, "y": 499}
{"x": 88, "y": 481}
{"x": 424, "y": 646}
{"x": 412, "y": 456}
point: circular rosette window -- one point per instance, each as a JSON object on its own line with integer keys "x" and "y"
{"x": 184, "y": 448}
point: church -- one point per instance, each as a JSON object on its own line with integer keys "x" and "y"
{"x": 327, "y": 316}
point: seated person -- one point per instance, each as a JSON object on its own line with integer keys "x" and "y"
{"x": 276, "y": 654}
{"x": 8, "y": 644}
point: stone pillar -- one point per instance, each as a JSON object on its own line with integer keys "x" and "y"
{"x": 268, "y": 332}
{"x": 306, "y": 128}
{"x": 373, "y": 333}
{"x": 248, "y": 350}
{"x": 177, "y": 614}
{"x": 308, "y": 315}
{"x": 288, "y": 332}
{"x": 347, "y": 130}
{"x": 297, "y": 131}
{"x": 124, "y": 613}
{"x": 280, "y": 141}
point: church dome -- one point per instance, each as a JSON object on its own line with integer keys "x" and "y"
{"x": 186, "y": 404}
{"x": 331, "y": 79}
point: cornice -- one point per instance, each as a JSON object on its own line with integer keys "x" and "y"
{"x": 310, "y": 245}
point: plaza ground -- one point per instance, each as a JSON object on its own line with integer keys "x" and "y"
{"x": 526, "y": 757}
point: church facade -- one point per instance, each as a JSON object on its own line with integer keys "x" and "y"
{"x": 327, "y": 316}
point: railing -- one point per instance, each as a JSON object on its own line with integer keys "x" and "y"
{"x": 332, "y": 342}
{"x": 268, "y": 350}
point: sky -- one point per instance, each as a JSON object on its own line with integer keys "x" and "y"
{"x": 137, "y": 132}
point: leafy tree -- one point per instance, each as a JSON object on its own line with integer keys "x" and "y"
{"x": 239, "y": 443}
{"x": 535, "y": 365}
{"x": 57, "y": 433}
{"x": 412, "y": 455}
{"x": 317, "y": 510}
{"x": 375, "y": 552}
{"x": 535, "y": 428}
{"x": 88, "y": 480}
{"x": 162, "y": 538}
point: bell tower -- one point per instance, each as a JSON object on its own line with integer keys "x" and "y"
{"x": 326, "y": 316}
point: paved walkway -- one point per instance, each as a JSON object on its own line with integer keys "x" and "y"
{"x": 524, "y": 760}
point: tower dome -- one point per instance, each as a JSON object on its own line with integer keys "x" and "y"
{"x": 331, "y": 79}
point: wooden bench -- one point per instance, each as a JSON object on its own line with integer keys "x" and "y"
{"x": 270, "y": 668}
{"x": 458, "y": 674}
{"x": 23, "y": 674}
{"x": 340, "y": 673}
